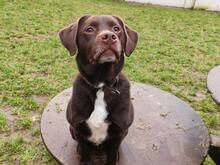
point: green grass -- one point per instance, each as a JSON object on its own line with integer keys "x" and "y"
{"x": 18, "y": 150}
{"x": 24, "y": 123}
{"x": 3, "y": 122}
{"x": 176, "y": 49}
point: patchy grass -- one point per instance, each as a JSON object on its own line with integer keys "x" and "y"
{"x": 176, "y": 49}
{"x": 24, "y": 123}
{"x": 18, "y": 151}
{"x": 3, "y": 123}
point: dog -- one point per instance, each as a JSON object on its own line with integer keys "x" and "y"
{"x": 100, "y": 109}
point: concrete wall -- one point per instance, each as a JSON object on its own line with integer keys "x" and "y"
{"x": 213, "y": 5}
{"x": 178, "y": 3}
{"x": 201, "y": 4}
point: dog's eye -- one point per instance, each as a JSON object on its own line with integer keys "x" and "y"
{"x": 89, "y": 30}
{"x": 116, "y": 29}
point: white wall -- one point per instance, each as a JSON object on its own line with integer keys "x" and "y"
{"x": 174, "y": 3}
{"x": 208, "y": 4}
{"x": 201, "y": 4}
{"x": 178, "y": 3}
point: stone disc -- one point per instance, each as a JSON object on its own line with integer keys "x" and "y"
{"x": 213, "y": 83}
{"x": 165, "y": 130}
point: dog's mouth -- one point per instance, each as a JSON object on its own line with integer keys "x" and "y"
{"x": 107, "y": 55}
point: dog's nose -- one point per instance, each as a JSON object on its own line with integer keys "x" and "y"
{"x": 108, "y": 37}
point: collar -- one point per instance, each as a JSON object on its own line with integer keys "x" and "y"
{"x": 110, "y": 86}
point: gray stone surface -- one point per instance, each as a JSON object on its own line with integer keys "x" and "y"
{"x": 165, "y": 130}
{"x": 213, "y": 83}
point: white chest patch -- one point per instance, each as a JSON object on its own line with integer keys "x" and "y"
{"x": 96, "y": 121}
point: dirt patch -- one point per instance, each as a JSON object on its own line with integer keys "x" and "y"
{"x": 13, "y": 131}
{"x": 8, "y": 112}
{"x": 25, "y": 37}
{"x": 200, "y": 95}
{"x": 40, "y": 99}
{"x": 35, "y": 116}
{"x": 25, "y": 134}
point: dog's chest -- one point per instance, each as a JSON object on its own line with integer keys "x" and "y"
{"x": 96, "y": 122}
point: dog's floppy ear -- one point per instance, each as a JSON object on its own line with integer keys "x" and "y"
{"x": 131, "y": 38}
{"x": 68, "y": 37}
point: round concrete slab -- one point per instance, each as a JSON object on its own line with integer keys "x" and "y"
{"x": 213, "y": 83}
{"x": 165, "y": 130}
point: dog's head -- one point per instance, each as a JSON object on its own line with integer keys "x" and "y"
{"x": 99, "y": 39}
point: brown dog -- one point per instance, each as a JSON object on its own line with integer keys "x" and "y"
{"x": 100, "y": 111}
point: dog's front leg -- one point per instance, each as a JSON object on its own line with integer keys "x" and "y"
{"x": 112, "y": 150}
{"x": 84, "y": 152}
{"x": 112, "y": 157}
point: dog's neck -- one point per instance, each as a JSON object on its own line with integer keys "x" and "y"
{"x": 106, "y": 73}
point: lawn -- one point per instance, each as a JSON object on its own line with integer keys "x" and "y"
{"x": 176, "y": 49}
